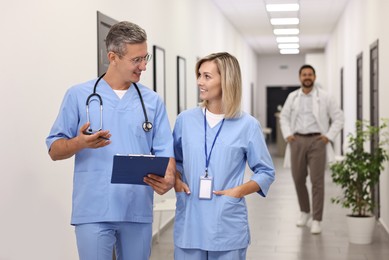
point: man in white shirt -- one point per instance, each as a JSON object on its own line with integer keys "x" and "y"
{"x": 310, "y": 120}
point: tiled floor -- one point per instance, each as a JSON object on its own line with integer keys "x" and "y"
{"x": 274, "y": 235}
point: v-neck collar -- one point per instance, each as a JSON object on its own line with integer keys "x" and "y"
{"x": 128, "y": 98}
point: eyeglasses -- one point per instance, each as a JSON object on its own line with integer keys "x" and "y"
{"x": 138, "y": 60}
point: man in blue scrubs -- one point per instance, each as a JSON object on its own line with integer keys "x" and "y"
{"x": 107, "y": 215}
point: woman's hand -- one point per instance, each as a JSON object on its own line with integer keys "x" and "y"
{"x": 234, "y": 192}
{"x": 240, "y": 191}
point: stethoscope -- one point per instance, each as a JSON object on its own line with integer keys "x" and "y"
{"x": 147, "y": 125}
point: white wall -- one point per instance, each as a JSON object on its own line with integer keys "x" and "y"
{"x": 362, "y": 23}
{"x": 317, "y": 60}
{"x": 47, "y": 46}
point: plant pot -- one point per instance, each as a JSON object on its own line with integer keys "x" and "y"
{"x": 360, "y": 229}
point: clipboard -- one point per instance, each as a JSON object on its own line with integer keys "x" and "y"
{"x": 132, "y": 168}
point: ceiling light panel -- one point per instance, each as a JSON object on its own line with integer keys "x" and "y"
{"x": 284, "y": 21}
{"x": 289, "y": 51}
{"x": 289, "y": 39}
{"x": 289, "y": 31}
{"x": 284, "y": 16}
{"x": 288, "y": 46}
{"x": 282, "y": 7}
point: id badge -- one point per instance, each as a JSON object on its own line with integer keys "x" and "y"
{"x": 206, "y": 184}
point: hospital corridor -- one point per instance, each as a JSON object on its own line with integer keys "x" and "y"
{"x": 64, "y": 130}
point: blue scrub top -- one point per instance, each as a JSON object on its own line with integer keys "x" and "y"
{"x": 95, "y": 199}
{"x": 219, "y": 224}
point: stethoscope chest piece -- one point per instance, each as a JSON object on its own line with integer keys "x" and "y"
{"x": 147, "y": 126}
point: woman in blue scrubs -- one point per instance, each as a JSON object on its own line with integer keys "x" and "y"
{"x": 213, "y": 143}
{"x": 110, "y": 216}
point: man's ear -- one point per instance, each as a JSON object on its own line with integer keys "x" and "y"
{"x": 112, "y": 57}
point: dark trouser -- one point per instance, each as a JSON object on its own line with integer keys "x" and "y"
{"x": 309, "y": 153}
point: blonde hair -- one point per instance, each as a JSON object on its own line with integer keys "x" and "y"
{"x": 231, "y": 82}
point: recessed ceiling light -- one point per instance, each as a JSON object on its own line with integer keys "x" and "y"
{"x": 291, "y": 39}
{"x": 284, "y": 21}
{"x": 290, "y": 31}
{"x": 282, "y": 7}
{"x": 288, "y": 46}
{"x": 289, "y": 51}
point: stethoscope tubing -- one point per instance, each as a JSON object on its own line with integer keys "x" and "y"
{"x": 147, "y": 126}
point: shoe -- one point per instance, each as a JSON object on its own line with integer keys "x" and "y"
{"x": 315, "y": 228}
{"x": 303, "y": 219}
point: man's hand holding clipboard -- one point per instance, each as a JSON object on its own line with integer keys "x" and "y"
{"x": 162, "y": 185}
{"x": 158, "y": 172}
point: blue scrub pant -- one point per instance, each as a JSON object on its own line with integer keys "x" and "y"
{"x": 198, "y": 254}
{"x": 95, "y": 241}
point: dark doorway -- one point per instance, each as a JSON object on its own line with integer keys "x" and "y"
{"x": 275, "y": 99}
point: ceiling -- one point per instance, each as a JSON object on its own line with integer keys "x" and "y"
{"x": 317, "y": 20}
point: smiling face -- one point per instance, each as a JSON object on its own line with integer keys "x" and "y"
{"x": 307, "y": 78}
{"x": 126, "y": 67}
{"x": 209, "y": 83}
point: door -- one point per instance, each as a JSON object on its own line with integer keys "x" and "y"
{"x": 374, "y": 113}
{"x": 359, "y": 87}
{"x": 275, "y": 99}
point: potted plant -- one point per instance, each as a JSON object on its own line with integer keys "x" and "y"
{"x": 357, "y": 174}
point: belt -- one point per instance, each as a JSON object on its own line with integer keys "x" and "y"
{"x": 307, "y": 135}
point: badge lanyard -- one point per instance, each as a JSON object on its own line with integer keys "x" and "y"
{"x": 206, "y": 181}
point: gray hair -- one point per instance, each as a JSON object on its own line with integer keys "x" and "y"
{"x": 124, "y": 33}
